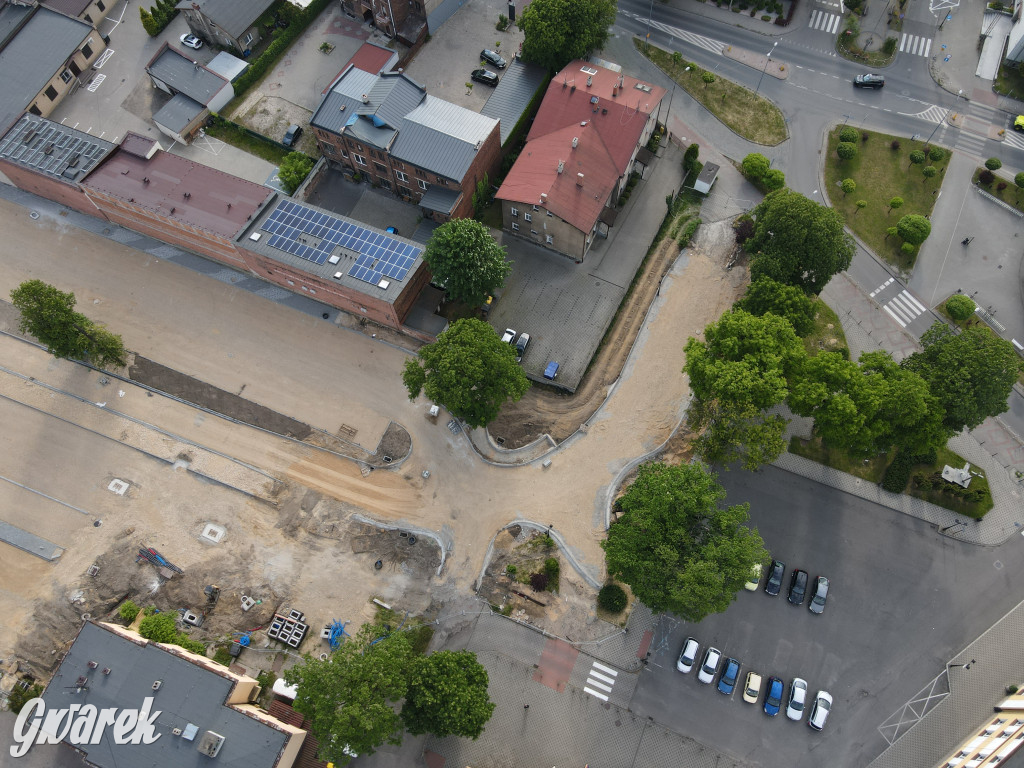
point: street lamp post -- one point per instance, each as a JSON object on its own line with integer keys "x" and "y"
{"x": 768, "y": 58}
{"x": 650, "y": 15}
{"x": 965, "y": 666}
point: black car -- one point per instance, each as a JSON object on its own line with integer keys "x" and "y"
{"x": 292, "y": 135}
{"x": 774, "y": 583}
{"x": 798, "y": 587}
{"x": 492, "y": 57}
{"x": 484, "y": 76}
{"x": 869, "y": 81}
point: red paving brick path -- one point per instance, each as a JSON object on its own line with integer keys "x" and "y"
{"x": 645, "y": 645}
{"x": 556, "y": 663}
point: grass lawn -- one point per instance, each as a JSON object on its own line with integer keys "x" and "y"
{"x": 490, "y": 216}
{"x": 1010, "y": 82}
{"x": 236, "y": 137}
{"x": 828, "y": 332}
{"x": 1009, "y": 194}
{"x": 872, "y": 470}
{"x": 882, "y": 173}
{"x": 749, "y": 115}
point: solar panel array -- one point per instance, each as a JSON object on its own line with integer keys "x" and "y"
{"x": 292, "y": 226}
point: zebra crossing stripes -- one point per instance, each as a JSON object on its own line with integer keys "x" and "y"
{"x": 904, "y": 308}
{"x": 882, "y": 287}
{"x": 600, "y": 677}
{"x": 825, "y": 22}
{"x": 915, "y": 45}
{"x": 1013, "y": 139}
{"x": 714, "y": 46}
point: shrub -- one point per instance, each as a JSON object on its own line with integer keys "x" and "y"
{"x": 889, "y": 46}
{"x": 907, "y": 248}
{"x": 986, "y": 177}
{"x": 552, "y": 570}
{"x": 848, "y": 186}
{"x": 690, "y": 157}
{"x": 148, "y": 22}
{"x": 128, "y": 611}
{"x": 689, "y": 232}
{"x": 846, "y": 150}
{"x": 865, "y": 136}
{"x": 503, "y": 22}
{"x": 897, "y": 475}
{"x": 539, "y": 581}
{"x": 917, "y": 157}
{"x": 612, "y": 598}
{"x": 848, "y": 133}
{"x": 755, "y": 166}
{"x": 744, "y": 229}
{"x": 510, "y": 569}
{"x": 993, "y": 163}
{"x": 1001, "y": 186}
{"x": 914, "y": 228}
{"x": 774, "y": 179}
{"x": 293, "y": 170}
{"x": 936, "y": 153}
{"x": 19, "y": 696}
{"x": 222, "y": 656}
{"x": 960, "y": 307}
{"x": 894, "y": 145}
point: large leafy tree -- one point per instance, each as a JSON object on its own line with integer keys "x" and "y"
{"x": 798, "y": 241}
{"x": 468, "y": 370}
{"x": 447, "y": 696}
{"x": 558, "y": 31}
{"x": 464, "y": 257}
{"x": 741, "y": 369}
{"x": 788, "y": 301}
{"x": 971, "y": 373}
{"x": 676, "y": 547}
{"x": 350, "y": 698}
{"x": 294, "y": 169}
{"x": 49, "y": 315}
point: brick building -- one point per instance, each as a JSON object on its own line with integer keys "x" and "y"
{"x": 385, "y": 127}
{"x": 404, "y": 19}
{"x": 585, "y": 142}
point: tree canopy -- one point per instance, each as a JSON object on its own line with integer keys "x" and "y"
{"x": 971, "y": 373}
{"x": 797, "y": 241}
{"x": 767, "y": 295}
{"x": 49, "y": 315}
{"x": 676, "y": 547}
{"x": 447, "y": 696}
{"x": 468, "y": 370}
{"x": 294, "y": 169}
{"x": 464, "y": 257}
{"x": 914, "y": 228}
{"x": 558, "y": 31}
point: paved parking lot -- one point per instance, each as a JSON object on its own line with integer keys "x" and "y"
{"x": 903, "y": 601}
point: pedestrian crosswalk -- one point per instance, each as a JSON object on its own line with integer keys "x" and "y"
{"x": 601, "y": 678}
{"x": 915, "y": 45}
{"x": 934, "y": 114}
{"x": 904, "y": 308}
{"x": 690, "y": 37}
{"x": 882, "y": 287}
{"x": 825, "y": 22}
{"x": 1013, "y": 139}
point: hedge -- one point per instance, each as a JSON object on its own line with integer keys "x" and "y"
{"x": 897, "y": 475}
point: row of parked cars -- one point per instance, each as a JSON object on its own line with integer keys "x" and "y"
{"x": 798, "y": 584}
{"x": 485, "y": 76}
{"x": 509, "y": 337}
{"x": 796, "y": 704}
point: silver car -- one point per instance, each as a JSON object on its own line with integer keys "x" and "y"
{"x": 708, "y": 668}
{"x": 819, "y": 711}
{"x": 688, "y": 655}
{"x": 797, "y": 699}
{"x": 820, "y": 595}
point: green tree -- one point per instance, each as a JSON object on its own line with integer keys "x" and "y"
{"x": 798, "y": 241}
{"x": 1018, "y": 181}
{"x": 861, "y": 205}
{"x": 447, "y": 696}
{"x": 294, "y": 169}
{"x": 676, "y": 547}
{"x": 48, "y": 314}
{"x": 993, "y": 163}
{"x": 849, "y": 134}
{"x": 677, "y": 58}
{"x": 468, "y": 370}
{"x": 736, "y": 432}
{"x": 148, "y": 22}
{"x": 708, "y": 78}
{"x": 558, "y": 31}
{"x": 916, "y": 157}
{"x": 774, "y": 179}
{"x": 350, "y": 698}
{"x": 848, "y": 186}
{"x": 160, "y": 628}
{"x": 690, "y": 157}
{"x": 935, "y": 154}
{"x": 914, "y": 228}
{"x": 19, "y": 697}
{"x": 482, "y": 195}
{"x": 896, "y": 202}
{"x": 466, "y": 259}
{"x": 960, "y": 307}
{"x": 755, "y": 166}
{"x": 128, "y": 611}
{"x": 971, "y": 373}
{"x": 929, "y": 172}
{"x": 846, "y": 150}
{"x": 788, "y": 301}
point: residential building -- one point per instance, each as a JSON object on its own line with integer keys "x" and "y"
{"x": 226, "y": 23}
{"x": 44, "y": 56}
{"x": 207, "y": 712}
{"x": 404, "y": 19}
{"x": 89, "y": 11}
{"x": 1015, "y": 40}
{"x": 587, "y": 138}
{"x": 999, "y": 737}
{"x": 195, "y": 92}
{"x": 428, "y": 151}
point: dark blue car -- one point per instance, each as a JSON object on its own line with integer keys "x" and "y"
{"x": 730, "y": 673}
{"x": 773, "y": 697}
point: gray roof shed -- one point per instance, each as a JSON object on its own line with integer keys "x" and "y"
{"x": 513, "y": 94}
{"x": 182, "y": 75}
{"x": 177, "y": 113}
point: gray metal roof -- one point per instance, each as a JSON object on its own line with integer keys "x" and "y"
{"x": 342, "y": 101}
{"x": 53, "y": 149}
{"x": 442, "y": 137}
{"x": 233, "y": 16}
{"x": 187, "y": 694}
{"x": 227, "y": 66}
{"x": 440, "y": 199}
{"x": 182, "y": 75}
{"x": 35, "y": 54}
{"x": 392, "y": 97}
{"x": 177, "y": 113}
{"x": 10, "y": 17}
{"x": 513, "y": 93}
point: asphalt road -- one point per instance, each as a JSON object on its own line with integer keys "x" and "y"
{"x": 903, "y": 600}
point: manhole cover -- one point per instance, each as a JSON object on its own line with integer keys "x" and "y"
{"x": 34, "y": 215}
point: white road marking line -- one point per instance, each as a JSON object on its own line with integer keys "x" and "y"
{"x": 601, "y": 696}
{"x": 603, "y": 668}
{"x": 902, "y": 324}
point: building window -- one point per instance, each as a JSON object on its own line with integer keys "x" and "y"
{"x": 550, "y": 213}
{"x": 66, "y": 75}
{"x": 528, "y": 217}
{"x": 423, "y": 185}
{"x": 248, "y": 39}
{"x": 401, "y": 176}
{"x": 87, "y": 49}
{"x": 386, "y": 183}
{"x": 536, "y": 208}
{"x": 441, "y": 181}
{"x": 328, "y": 149}
{"x": 515, "y": 227}
{"x": 359, "y": 159}
{"x": 405, "y": 192}
{"x": 359, "y": 147}
{"x": 344, "y": 154}
{"x": 420, "y": 173}
{"x": 533, "y": 231}
{"x": 380, "y": 169}
{"x": 51, "y": 92}
{"x": 35, "y": 110}
{"x": 88, "y": 18}
{"x": 550, "y": 240}
{"x": 100, "y": 6}
{"x": 515, "y": 212}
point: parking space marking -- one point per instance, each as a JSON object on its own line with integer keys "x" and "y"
{"x": 601, "y": 677}
{"x": 96, "y": 83}
{"x": 103, "y": 58}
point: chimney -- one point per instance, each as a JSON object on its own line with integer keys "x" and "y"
{"x": 575, "y": 142}
{"x": 579, "y": 179}
{"x": 561, "y": 166}
{"x": 590, "y": 80}
{"x": 366, "y": 99}
{"x": 543, "y": 197}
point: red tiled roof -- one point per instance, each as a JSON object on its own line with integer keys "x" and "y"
{"x": 216, "y": 202}
{"x": 306, "y": 758}
{"x": 370, "y": 58}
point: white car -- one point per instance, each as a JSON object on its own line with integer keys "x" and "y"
{"x": 191, "y": 41}
{"x": 688, "y": 655}
{"x": 508, "y": 337}
{"x": 712, "y": 657}
{"x": 755, "y": 578}
{"x": 797, "y": 699}
{"x": 819, "y": 711}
